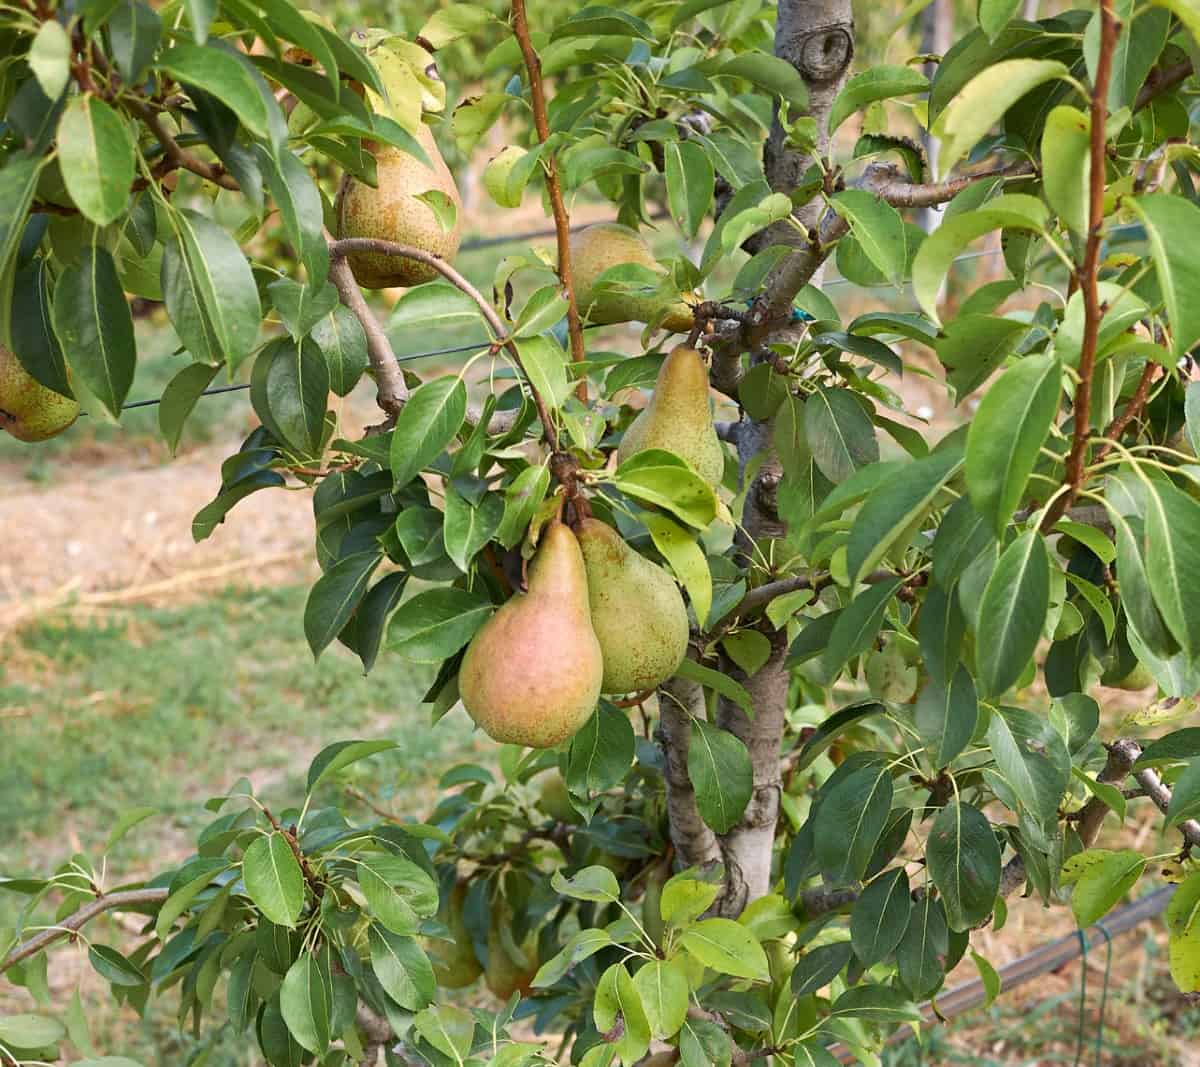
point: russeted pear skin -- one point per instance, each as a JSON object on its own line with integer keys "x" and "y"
{"x": 454, "y": 963}
{"x": 609, "y": 244}
{"x": 532, "y": 674}
{"x": 504, "y": 975}
{"x": 637, "y": 611}
{"x": 28, "y": 410}
{"x": 393, "y": 212}
{"x": 678, "y": 417}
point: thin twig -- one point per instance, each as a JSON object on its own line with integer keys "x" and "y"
{"x": 126, "y": 898}
{"x": 174, "y": 154}
{"x": 338, "y": 250}
{"x": 1132, "y": 410}
{"x": 562, "y": 221}
{"x": 1161, "y": 80}
{"x": 1089, "y": 273}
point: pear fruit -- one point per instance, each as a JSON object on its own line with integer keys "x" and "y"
{"x": 393, "y": 212}
{"x": 609, "y": 244}
{"x": 678, "y": 417}
{"x": 454, "y": 962}
{"x": 532, "y": 674}
{"x": 554, "y": 799}
{"x": 28, "y": 410}
{"x": 637, "y": 611}
{"x": 503, "y": 974}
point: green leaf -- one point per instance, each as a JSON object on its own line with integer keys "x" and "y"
{"x": 595, "y": 20}
{"x": 880, "y": 917}
{"x": 545, "y": 307}
{"x": 1183, "y": 925}
{"x": 18, "y": 180}
{"x": 294, "y": 383}
{"x": 964, "y": 863}
{"x": 434, "y": 305}
{"x": 720, "y": 770}
{"x": 453, "y": 21}
{"x": 342, "y": 341}
{"x": 96, "y": 158}
{"x": 718, "y": 683}
{"x": 335, "y": 596}
{"x": 984, "y": 100}
{"x": 945, "y": 716}
{"x": 1012, "y": 613}
{"x": 179, "y": 398}
{"x": 858, "y": 625}
{"x": 402, "y": 968}
{"x": 209, "y": 291}
{"x": 617, "y": 1009}
{"x": 31, "y": 329}
{"x": 448, "y": 1028}
{"x": 689, "y": 174}
{"x": 189, "y": 880}
{"x": 1033, "y": 759}
{"x": 1101, "y": 879}
{"x": 704, "y": 1044}
{"x": 298, "y": 201}
{"x": 1066, "y": 164}
{"x": 426, "y": 424}
{"x": 995, "y": 15}
{"x": 663, "y": 479}
{"x": 878, "y": 228}
{"x": 1173, "y": 555}
{"x": 579, "y": 947}
{"x": 749, "y": 649}
{"x": 468, "y": 527}
{"x": 876, "y": 1003}
{"x": 50, "y": 58}
{"x": 770, "y": 73}
{"x": 601, "y": 752}
{"x": 306, "y": 1001}
{"x": 818, "y": 967}
{"x": 398, "y": 892}
{"x": 853, "y": 815}
{"x": 94, "y": 327}
{"x": 273, "y": 879}
{"x": 435, "y": 624}
{"x": 226, "y": 76}
{"x": 972, "y": 346}
{"x": 890, "y": 511}
{"x": 114, "y": 967}
{"x": 727, "y": 947}
{"x": 662, "y": 987}
{"x": 597, "y": 884}
{"x": 1007, "y": 433}
{"x": 922, "y": 952}
{"x": 1172, "y": 224}
{"x": 832, "y": 728}
{"x": 521, "y": 499}
{"x": 879, "y": 83}
{"x": 333, "y": 758}
{"x": 937, "y": 252}
{"x": 840, "y": 433}
{"x": 686, "y": 559}
{"x": 1185, "y": 795}
{"x": 30, "y": 1031}
{"x": 545, "y": 365}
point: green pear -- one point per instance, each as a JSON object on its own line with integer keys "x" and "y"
{"x": 394, "y": 212}
{"x": 532, "y": 674}
{"x": 678, "y": 417}
{"x": 28, "y": 410}
{"x": 637, "y": 611}
{"x": 1135, "y": 681}
{"x": 554, "y": 799}
{"x": 454, "y": 962}
{"x": 504, "y": 975}
{"x": 603, "y": 246}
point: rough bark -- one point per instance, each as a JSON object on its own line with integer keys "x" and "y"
{"x": 681, "y": 699}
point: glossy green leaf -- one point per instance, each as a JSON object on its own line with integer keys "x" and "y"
{"x": 858, "y": 624}
{"x": 96, "y": 158}
{"x": 819, "y": 966}
{"x": 435, "y": 624}
{"x": 1032, "y": 757}
{"x": 853, "y": 815}
{"x": 180, "y": 397}
{"x": 1012, "y": 613}
{"x": 663, "y": 479}
{"x": 945, "y": 716}
{"x": 1172, "y": 223}
{"x": 878, "y": 83}
{"x": 878, "y": 228}
{"x": 403, "y": 969}
{"x": 227, "y": 76}
{"x": 306, "y": 1001}
{"x": 727, "y": 947}
{"x": 663, "y": 988}
{"x": 964, "y": 863}
{"x": 689, "y": 176}
{"x": 343, "y": 343}
{"x": 335, "y": 596}
{"x": 720, "y": 683}
{"x": 1066, "y": 164}
{"x": 685, "y": 558}
{"x": 273, "y": 879}
{"x": 840, "y": 433}
{"x": 921, "y": 954}
{"x": 1173, "y": 558}
{"x": 720, "y": 770}
{"x": 398, "y": 892}
{"x": 880, "y": 917}
{"x": 426, "y": 424}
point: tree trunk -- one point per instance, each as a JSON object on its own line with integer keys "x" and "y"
{"x": 937, "y": 24}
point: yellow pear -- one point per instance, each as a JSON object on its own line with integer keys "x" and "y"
{"x": 28, "y": 410}
{"x": 609, "y": 244}
{"x": 531, "y": 675}
{"x": 394, "y": 212}
{"x": 637, "y": 611}
{"x": 678, "y": 417}
{"x": 503, "y": 974}
{"x": 454, "y": 963}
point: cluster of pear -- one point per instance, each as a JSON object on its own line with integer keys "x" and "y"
{"x": 28, "y": 410}
{"x": 455, "y": 964}
{"x": 597, "y": 617}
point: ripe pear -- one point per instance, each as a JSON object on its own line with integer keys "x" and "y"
{"x": 393, "y": 212}
{"x": 532, "y": 674}
{"x": 454, "y": 962}
{"x": 609, "y": 244}
{"x": 28, "y": 410}
{"x": 503, "y": 974}
{"x": 637, "y": 611}
{"x": 678, "y": 417}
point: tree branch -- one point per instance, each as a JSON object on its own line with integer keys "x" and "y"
{"x": 126, "y": 898}
{"x": 1161, "y": 80}
{"x": 681, "y": 699}
{"x": 338, "y": 250}
{"x": 1132, "y": 410}
{"x": 173, "y": 153}
{"x": 1153, "y": 785}
{"x": 1088, "y": 275}
{"x": 562, "y": 221}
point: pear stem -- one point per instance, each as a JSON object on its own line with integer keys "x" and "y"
{"x": 338, "y": 250}
{"x": 562, "y": 221}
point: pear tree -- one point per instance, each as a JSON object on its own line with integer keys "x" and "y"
{"x": 788, "y": 691}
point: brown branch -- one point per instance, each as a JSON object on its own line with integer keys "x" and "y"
{"x": 908, "y": 194}
{"x": 174, "y": 154}
{"x": 1153, "y": 785}
{"x": 562, "y": 221}
{"x": 1134, "y": 408}
{"x": 127, "y": 898}
{"x": 338, "y": 250}
{"x": 679, "y": 700}
{"x": 1161, "y": 80}
{"x": 1089, "y": 273}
